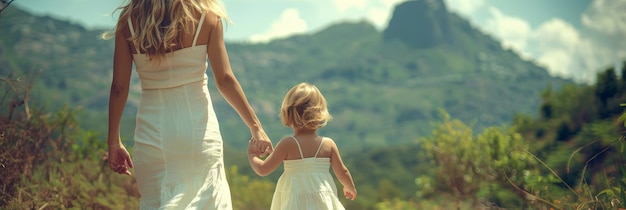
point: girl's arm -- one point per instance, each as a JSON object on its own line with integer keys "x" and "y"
{"x": 119, "y": 159}
{"x": 341, "y": 172}
{"x": 267, "y": 166}
{"x": 228, "y": 85}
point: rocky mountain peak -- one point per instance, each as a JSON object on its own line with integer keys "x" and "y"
{"x": 420, "y": 24}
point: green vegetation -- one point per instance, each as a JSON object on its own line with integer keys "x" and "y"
{"x": 533, "y": 164}
{"x": 570, "y": 157}
{"x": 49, "y": 163}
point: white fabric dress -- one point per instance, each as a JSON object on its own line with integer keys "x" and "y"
{"x": 306, "y": 184}
{"x": 178, "y": 146}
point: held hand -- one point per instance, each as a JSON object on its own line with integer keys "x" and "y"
{"x": 119, "y": 159}
{"x": 349, "y": 193}
{"x": 260, "y": 143}
{"x": 269, "y": 149}
{"x": 252, "y": 149}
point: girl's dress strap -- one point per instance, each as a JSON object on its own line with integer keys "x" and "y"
{"x": 195, "y": 38}
{"x": 320, "y": 147}
{"x": 300, "y": 149}
{"x": 132, "y": 32}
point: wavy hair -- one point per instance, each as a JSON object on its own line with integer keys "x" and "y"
{"x": 304, "y": 106}
{"x": 159, "y": 23}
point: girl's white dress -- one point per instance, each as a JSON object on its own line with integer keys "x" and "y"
{"x": 306, "y": 184}
{"x": 178, "y": 146}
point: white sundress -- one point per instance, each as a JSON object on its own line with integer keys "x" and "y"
{"x": 306, "y": 184}
{"x": 178, "y": 151}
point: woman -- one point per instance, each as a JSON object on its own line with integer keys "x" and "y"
{"x": 178, "y": 156}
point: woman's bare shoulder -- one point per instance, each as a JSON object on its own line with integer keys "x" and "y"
{"x": 211, "y": 19}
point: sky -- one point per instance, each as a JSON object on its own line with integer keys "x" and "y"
{"x": 572, "y": 38}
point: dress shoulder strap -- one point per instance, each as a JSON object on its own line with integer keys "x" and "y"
{"x": 299, "y": 149}
{"x": 132, "y": 32}
{"x": 320, "y": 147}
{"x": 195, "y": 38}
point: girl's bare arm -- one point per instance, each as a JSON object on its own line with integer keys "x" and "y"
{"x": 341, "y": 171}
{"x": 267, "y": 166}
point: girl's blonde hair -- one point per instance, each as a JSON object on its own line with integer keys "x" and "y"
{"x": 304, "y": 106}
{"x": 159, "y": 23}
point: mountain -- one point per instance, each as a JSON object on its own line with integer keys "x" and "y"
{"x": 383, "y": 87}
{"x": 420, "y": 24}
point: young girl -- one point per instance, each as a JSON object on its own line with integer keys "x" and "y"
{"x": 306, "y": 182}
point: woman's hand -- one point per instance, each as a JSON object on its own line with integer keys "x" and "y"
{"x": 260, "y": 143}
{"x": 350, "y": 193}
{"x": 119, "y": 159}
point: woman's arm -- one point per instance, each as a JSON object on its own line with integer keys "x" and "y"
{"x": 228, "y": 85}
{"x": 119, "y": 159}
{"x": 267, "y": 166}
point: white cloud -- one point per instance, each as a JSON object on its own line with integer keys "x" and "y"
{"x": 512, "y": 31}
{"x": 344, "y": 5}
{"x": 556, "y": 32}
{"x": 377, "y": 12}
{"x": 289, "y": 23}
{"x": 567, "y": 51}
{"x": 379, "y": 16}
{"x": 606, "y": 16}
{"x": 558, "y": 62}
{"x": 605, "y": 21}
{"x": 559, "y": 47}
{"x": 465, "y": 7}
{"x": 390, "y": 4}
{"x": 605, "y": 25}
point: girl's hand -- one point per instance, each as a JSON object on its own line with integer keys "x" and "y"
{"x": 252, "y": 149}
{"x": 260, "y": 143}
{"x": 349, "y": 193}
{"x": 119, "y": 159}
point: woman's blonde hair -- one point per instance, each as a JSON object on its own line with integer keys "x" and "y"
{"x": 304, "y": 106}
{"x": 159, "y": 23}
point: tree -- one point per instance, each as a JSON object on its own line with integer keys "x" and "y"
{"x": 624, "y": 73}
{"x": 546, "y": 110}
{"x": 607, "y": 85}
{"x": 467, "y": 164}
{"x": 623, "y": 79}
